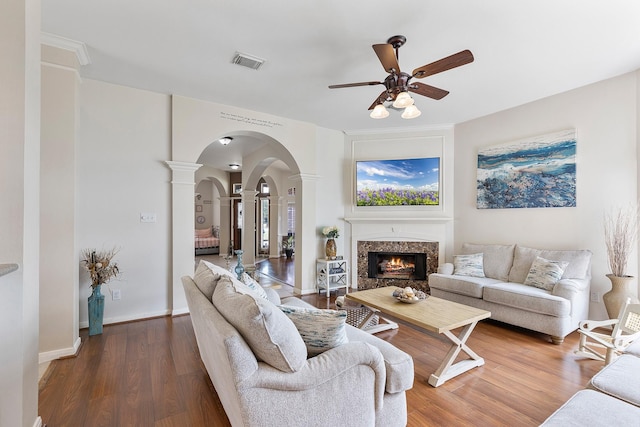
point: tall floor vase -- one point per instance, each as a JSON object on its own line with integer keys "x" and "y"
{"x": 622, "y": 287}
{"x": 96, "y": 311}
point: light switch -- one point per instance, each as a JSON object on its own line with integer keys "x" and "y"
{"x": 147, "y": 217}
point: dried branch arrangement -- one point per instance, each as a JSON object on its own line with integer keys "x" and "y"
{"x": 620, "y": 234}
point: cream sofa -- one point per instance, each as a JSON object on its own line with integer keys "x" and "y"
{"x": 612, "y": 397}
{"x": 359, "y": 383}
{"x": 556, "y": 312}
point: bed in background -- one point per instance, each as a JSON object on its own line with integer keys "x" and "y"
{"x": 207, "y": 241}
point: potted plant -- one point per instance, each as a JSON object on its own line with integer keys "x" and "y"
{"x": 620, "y": 235}
{"x": 288, "y": 246}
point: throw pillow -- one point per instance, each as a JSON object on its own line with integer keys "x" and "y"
{"x": 270, "y": 334}
{"x": 203, "y": 232}
{"x": 320, "y": 330}
{"x": 206, "y": 280}
{"x": 544, "y": 273}
{"x": 253, "y": 285}
{"x": 468, "y": 265}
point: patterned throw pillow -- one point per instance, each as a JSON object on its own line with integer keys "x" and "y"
{"x": 253, "y": 285}
{"x": 320, "y": 330}
{"x": 544, "y": 273}
{"x": 468, "y": 265}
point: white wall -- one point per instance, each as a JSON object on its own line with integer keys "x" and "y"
{"x": 605, "y": 117}
{"x": 124, "y": 139}
{"x": 19, "y": 210}
{"x": 333, "y": 172}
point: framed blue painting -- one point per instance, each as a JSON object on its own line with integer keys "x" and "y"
{"x": 537, "y": 172}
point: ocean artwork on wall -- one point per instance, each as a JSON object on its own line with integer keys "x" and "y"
{"x": 538, "y": 172}
{"x": 398, "y": 182}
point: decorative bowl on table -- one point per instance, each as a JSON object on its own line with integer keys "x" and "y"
{"x": 409, "y": 295}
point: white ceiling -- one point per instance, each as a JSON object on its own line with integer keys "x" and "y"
{"x": 524, "y": 50}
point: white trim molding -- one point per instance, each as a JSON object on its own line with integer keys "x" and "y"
{"x": 79, "y": 48}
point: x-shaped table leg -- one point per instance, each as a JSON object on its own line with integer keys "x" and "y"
{"x": 447, "y": 368}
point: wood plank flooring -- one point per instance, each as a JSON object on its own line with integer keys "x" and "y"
{"x": 148, "y": 373}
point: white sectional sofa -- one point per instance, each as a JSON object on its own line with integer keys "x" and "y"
{"x": 268, "y": 380}
{"x": 556, "y": 310}
{"x": 612, "y": 397}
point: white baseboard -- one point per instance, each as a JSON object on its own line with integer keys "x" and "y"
{"x": 37, "y": 422}
{"x": 85, "y": 323}
{"x": 180, "y": 311}
{"x": 48, "y": 356}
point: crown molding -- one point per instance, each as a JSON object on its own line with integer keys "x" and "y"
{"x": 79, "y": 48}
{"x": 399, "y": 130}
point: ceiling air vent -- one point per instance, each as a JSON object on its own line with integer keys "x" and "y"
{"x": 248, "y": 61}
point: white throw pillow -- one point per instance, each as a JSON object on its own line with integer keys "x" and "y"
{"x": 469, "y": 265}
{"x": 273, "y": 338}
{"x": 545, "y": 273}
{"x": 205, "y": 279}
{"x": 320, "y": 330}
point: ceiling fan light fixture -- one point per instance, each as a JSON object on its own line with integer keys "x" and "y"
{"x": 234, "y": 166}
{"x": 379, "y": 112}
{"x": 403, "y": 100}
{"x": 411, "y": 112}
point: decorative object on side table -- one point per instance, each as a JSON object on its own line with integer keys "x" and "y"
{"x": 101, "y": 268}
{"x": 239, "y": 267}
{"x": 331, "y": 233}
{"x": 620, "y": 235}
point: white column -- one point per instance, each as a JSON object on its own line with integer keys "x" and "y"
{"x": 249, "y": 229}
{"x": 225, "y": 224}
{"x": 182, "y": 191}
{"x": 306, "y": 238}
{"x": 275, "y": 210}
{"x": 59, "y": 280}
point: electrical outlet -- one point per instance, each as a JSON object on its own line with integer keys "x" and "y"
{"x": 115, "y": 294}
{"x": 595, "y": 296}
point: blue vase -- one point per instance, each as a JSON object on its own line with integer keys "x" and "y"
{"x": 239, "y": 267}
{"x": 96, "y": 311}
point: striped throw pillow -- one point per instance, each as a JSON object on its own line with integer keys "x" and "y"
{"x": 320, "y": 329}
{"x": 469, "y": 265}
{"x": 544, "y": 273}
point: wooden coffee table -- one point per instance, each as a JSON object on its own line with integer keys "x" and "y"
{"x": 433, "y": 315}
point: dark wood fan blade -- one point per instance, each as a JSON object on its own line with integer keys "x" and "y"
{"x": 355, "y": 84}
{"x": 444, "y": 64}
{"x": 379, "y": 99}
{"x": 428, "y": 91}
{"x": 387, "y": 56}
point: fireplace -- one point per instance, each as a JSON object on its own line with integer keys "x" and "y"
{"x": 414, "y": 261}
{"x": 397, "y": 265}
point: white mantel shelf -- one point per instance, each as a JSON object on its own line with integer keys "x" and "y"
{"x": 355, "y": 220}
{"x": 7, "y": 268}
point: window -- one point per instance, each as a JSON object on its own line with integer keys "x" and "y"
{"x": 291, "y": 218}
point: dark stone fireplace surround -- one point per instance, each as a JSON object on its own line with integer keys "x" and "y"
{"x": 366, "y": 246}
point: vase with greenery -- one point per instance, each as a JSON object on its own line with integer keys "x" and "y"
{"x": 331, "y": 233}
{"x": 101, "y": 268}
{"x": 621, "y": 233}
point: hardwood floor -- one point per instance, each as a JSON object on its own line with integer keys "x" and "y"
{"x": 148, "y": 373}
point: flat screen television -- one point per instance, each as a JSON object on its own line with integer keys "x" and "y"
{"x": 402, "y": 182}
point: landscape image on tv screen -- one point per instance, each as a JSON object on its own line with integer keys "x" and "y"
{"x": 398, "y": 182}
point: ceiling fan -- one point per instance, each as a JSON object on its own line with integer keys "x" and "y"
{"x": 398, "y": 83}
